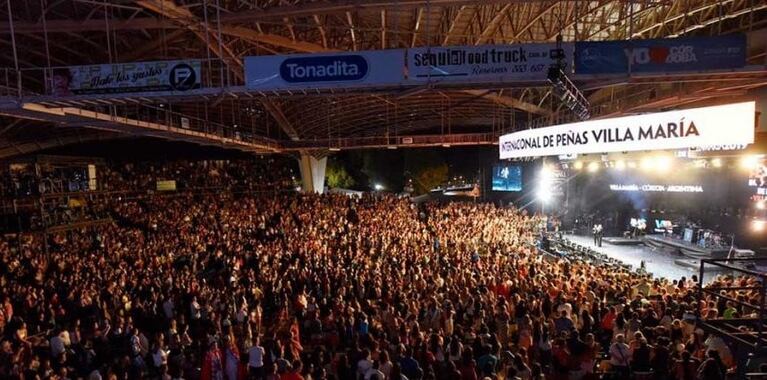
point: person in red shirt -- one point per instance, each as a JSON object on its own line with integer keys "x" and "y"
{"x": 294, "y": 373}
{"x": 608, "y": 321}
{"x": 212, "y": 365}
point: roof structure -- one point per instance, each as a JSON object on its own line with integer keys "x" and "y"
{"x": 37, "y": 35}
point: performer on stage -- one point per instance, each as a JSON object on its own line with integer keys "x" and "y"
{"x": 598, "y": 235}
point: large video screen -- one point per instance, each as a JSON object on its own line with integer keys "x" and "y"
{"x": 507, "y": 178}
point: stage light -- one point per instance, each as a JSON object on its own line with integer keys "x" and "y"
{"x": 620, "y": 164}
{"x": 578, "y": 165}
{"x": 647, "y": 163}
{"x": 593, "y": 166}
{"x": 717, "y": 163}
{"x": 545, "y": 176}
{"x": 544, "y": 193}
{"x": 758, "y": 225}
{"x": 749, "y": 162}
{"x": 378, "y": 187}
{"x": 663, "y": 163}
{"x": 760, "y": 205}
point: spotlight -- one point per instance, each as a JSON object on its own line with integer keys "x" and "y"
{"x": 543, "y": 194}
{"x": 717, "y": 163}
{"x": 578, "y": 165}
{"x": 760, "y": 205}
{"x": 620, "y": 164}
{"x": 647, "y": 163}
{"x": 663, "y": 163}
{"x": 545, "y": 172}
{"x": 749, "y": 162}
{"x": 758, "y": 225}
{"x": 593, "y": 166}
{"x": 378, "y": 187}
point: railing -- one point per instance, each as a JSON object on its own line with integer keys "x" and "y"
{"x": 748, "y": 331}
{"x": 392, "y": 141}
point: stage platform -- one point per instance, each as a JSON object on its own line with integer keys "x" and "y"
{"x": 658, "y": 262}
{"x": 688, "y": 249}
{"x": 621, "y": 241}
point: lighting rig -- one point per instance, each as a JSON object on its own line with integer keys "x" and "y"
{"x": 563, "y": 87}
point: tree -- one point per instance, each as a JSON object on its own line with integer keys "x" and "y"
{"x": 429, "y": 177}
{"x": 337, "y": 175}
{"x": 427, "y": 167}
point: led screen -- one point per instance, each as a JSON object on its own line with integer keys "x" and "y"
{"x": 507, "y": 178}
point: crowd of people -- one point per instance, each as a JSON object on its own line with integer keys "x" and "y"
{"x": 264, "y": 173}
{"x": 229, "y": 286}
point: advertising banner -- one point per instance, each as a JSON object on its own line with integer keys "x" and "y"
{"x": 661, "y": 55}
{"x": 332, "y": 70}
{"x": 487, "y": 63}
{"x": 134, "y": 77}
{"x": 725, "y": 124}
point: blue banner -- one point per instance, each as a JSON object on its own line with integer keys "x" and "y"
{"x": 661, "y": 55}
{"x": 329, "y": 70}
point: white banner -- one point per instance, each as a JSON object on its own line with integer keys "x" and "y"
{"x": 343, "y": 69}
{"x": 133, "y": 77}
{"x": 717, "y": 125}
{"x": 487, "y": 63}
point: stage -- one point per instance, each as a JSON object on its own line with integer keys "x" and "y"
{"x": 657, "y": 261}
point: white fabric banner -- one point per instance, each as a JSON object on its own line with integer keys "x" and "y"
{"x": 332, "y": 70}
{"x": 486, "y": 63}
{"x": 695, "y": 127}
{"x": 133, "y": 77}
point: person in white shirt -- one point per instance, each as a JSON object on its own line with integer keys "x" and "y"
{"x": 256, "y": 361}
{"x": 135, "y": 343}
{"x": 364, "y": 365}
{"x": 167, "y": 308}
{"x": 159, "y": 355}
{"x": 619, "y": 355}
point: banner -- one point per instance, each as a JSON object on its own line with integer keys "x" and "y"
{"x": 304, "y": 71}
{"x": 134, "y": 77}
{"x": 487, "y": 63}
{"x": 725, "y": 124}
{"x": 661, "y": 55}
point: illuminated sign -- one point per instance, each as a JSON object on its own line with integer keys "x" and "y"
{"x": 719, "y": 148}
{"x": 706, "y": 126}
{"x": 657, "y": 188}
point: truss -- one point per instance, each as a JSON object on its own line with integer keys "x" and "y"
{"x": 49, "y": 33}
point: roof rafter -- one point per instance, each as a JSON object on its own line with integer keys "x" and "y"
{"x": 510, "y": 102}
{"x": 493, "y": 25}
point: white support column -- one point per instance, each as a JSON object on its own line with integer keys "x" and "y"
{"x": 313, "y": 173}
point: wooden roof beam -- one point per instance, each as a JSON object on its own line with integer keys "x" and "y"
{"x": 510, "y": 102}
{"x": 493, "y": 25}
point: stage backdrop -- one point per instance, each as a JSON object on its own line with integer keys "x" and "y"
{"x": 717, "y": 198}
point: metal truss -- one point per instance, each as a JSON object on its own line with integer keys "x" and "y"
{"x": 50, "y": 33}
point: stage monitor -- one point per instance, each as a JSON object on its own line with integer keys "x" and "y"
{"x": 507, "y": 178}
